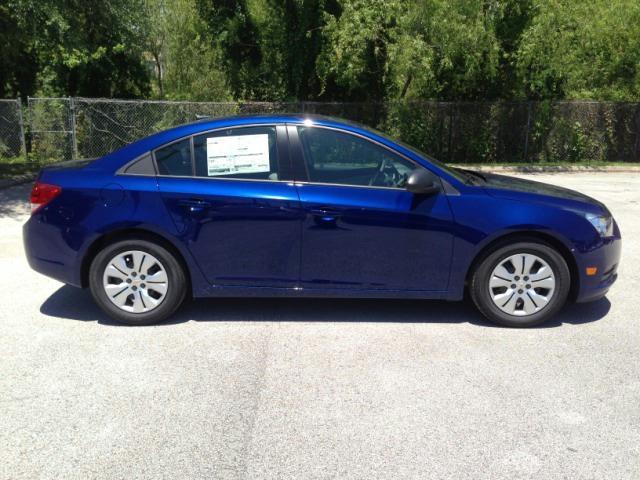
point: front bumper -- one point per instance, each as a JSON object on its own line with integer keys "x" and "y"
{"x": 606, "y": 258}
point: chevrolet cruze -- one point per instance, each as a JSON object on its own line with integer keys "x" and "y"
{"x": 316, "y": 207}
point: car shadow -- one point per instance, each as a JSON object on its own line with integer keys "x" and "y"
{"x": 14, "y": 202}
{"x": 76, "y": 304}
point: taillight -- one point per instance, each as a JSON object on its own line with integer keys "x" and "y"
{"x": 41, "y": 194}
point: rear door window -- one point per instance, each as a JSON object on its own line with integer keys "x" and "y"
{"x": 242, "y": 153}
{"x": 175, "y": 159}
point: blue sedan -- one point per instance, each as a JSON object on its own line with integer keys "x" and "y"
{"x": 311, "y": 206}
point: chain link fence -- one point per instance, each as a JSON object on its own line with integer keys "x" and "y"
{"x": 12, "y": 137}
{"x": 456, "y": 132}
{"x": 51, "y": 130}
{"x": 520, "y": 132}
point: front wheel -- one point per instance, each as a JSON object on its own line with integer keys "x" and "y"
{"x": 521, "y": 285}
{"x": 137, "y": 282}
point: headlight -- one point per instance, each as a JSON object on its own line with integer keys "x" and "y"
{"x": 602, "y": 223}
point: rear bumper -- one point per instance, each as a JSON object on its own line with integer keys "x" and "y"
{"x": 48, "y": 253}
{"x": 606, "y": 258}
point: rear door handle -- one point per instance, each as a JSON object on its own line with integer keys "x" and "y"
{"x": 194, "y": 204}
{"x": 325, "y": 212}
{"x": 325, "y": 217}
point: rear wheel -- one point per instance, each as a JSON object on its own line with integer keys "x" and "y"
{"x": 137, "y": 282}
{"x": 521, "y": 285}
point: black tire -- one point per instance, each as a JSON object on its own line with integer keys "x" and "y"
{"x": 479, "y": 285}
{"x": 176, "y": 286}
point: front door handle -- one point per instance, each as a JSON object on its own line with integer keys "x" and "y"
{"x": 194, "y": 205}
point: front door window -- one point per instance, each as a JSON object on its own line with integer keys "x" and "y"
{"x": 334, "y": 157}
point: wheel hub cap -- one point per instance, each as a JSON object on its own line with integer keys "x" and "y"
{"x": 135, "y": 281}
{"x": 522, "y": 284}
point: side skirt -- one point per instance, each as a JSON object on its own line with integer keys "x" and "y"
{"x": 266, "y": 292}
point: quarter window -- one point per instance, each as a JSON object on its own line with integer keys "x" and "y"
{"x": 142, "y": 166}
{"x": 247, "y": 153}
{"x": 341, "y": 158}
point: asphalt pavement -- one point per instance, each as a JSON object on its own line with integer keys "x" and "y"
{"x": 297, "y": 388}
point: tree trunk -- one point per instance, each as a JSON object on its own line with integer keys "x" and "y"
{"x": 156, "y": 58}
{"x": 405, "y": 87}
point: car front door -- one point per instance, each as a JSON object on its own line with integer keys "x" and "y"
{"x": 228, "y": 195}
{"x": 362, "y": 229}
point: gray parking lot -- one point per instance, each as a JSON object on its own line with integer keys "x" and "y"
{"x": 294, "y": 388}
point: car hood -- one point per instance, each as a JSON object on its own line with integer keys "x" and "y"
{"x": 514, "y": 188}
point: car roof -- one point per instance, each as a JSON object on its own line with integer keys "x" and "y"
{"x": 204, "y": 124}
{"x": 281, "y": 117}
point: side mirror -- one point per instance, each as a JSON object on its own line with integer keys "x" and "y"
{"x": 422, "y": 182}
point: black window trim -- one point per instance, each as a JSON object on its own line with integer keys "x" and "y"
{"x": 280, "y": 156}
{"x": 299, "y": 157}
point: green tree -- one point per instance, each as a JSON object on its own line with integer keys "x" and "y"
{"x": 18, "y": 58}
{"x": 189, "y": 67}
{"x": 355, "y": 52}
{"x": 290, "y": 36}
{"x": 96, "y": 49}
{"x": 515, "y": 16}
{"x": 582, "y": 50}
{"x": 268, "y": 47}
{"x": 446, "y": 49}
{"x": 74, "y": 47}
{"x": 231, "y": 29}
{"x": 156, "y": 28}
{"x": 368, "y": 50}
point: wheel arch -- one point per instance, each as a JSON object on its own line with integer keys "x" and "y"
{"x": 531, "y": 236}
{"x": 138, "y": 233}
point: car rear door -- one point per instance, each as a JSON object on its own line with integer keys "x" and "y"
{"x": 230, "y": 195}
{"x": 362, "y": 229}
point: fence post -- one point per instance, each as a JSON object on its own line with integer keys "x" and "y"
{"x": 449, "y": 143}
{"x": 21, "y": 126}
{"x": 30, "y": 122}
{"x": 526, "y": 134}
{"x": 636, "y": 149}
{"x": 74, "y": 140}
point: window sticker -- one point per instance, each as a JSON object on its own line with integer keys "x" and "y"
{"x": 238, "y": 154}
